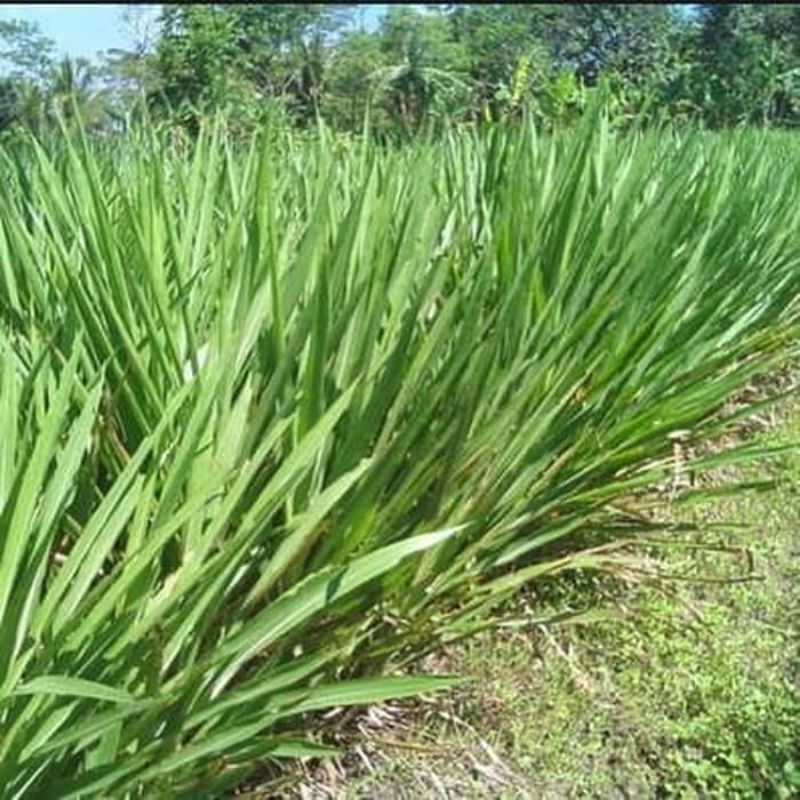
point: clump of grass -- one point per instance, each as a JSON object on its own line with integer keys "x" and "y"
{"x": 694, "y": 692}
{"x": 276, "y": 422}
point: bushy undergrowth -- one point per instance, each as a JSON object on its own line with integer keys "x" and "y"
{"x": 277, "y": 419}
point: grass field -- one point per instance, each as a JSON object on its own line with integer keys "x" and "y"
{"x": 282, "y": 417}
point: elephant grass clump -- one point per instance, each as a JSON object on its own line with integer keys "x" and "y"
{"x": 278, "y": 418}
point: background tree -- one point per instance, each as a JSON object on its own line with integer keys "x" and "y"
{"x": 25, "y": 53}
{"x": 239, "y": 56}
{"x": 26, "y": 58}
{"x": 129, "y": 76}
{"x": 71, "y": 86}
{"x": 354, "y": 60}
{"x": 746, "y": 64}
{"x": 427, "y": 71}
{"x": 285, "y": 64}
{"x": 508, "y": 52}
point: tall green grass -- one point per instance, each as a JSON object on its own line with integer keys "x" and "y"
{"x": 276, "y": 419}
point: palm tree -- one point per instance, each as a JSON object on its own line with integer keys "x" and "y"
{"x": 21, "y": 103}
{"x": 72, "y": 87}
{"x": 415, "y": 85}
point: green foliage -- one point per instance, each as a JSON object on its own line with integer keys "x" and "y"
{"x": 749, "y": 64}
{"x": 25, "y": 52}
{"x": 280, "y": 416}
{"x": 350, "y": 81}
{"x": 237, "y": 57}
{"x": 425, "y": 77}
{"x": 560, "y": 99}
{"x": 422, "y": 70}
{"x": 37, "y": 92}
{"x": 25, "y": 61}
{"x": 196, "y": 58}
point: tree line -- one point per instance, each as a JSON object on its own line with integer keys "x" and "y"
{"x": 416, "y": 68}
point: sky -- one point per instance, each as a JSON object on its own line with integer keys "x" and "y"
{"x": 78, "y": 30}
{"x": 84, "y": 30}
